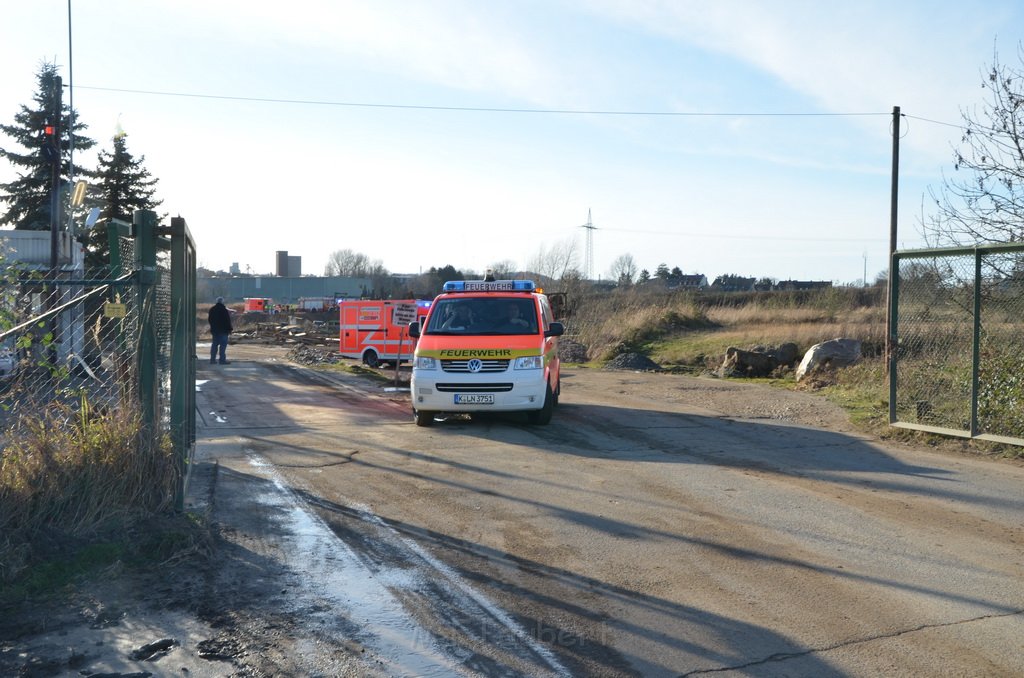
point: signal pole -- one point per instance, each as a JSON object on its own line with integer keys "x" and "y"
{"x": 55, "y": 167}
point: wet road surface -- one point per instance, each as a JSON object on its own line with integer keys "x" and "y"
{"x": 641, "y": 533}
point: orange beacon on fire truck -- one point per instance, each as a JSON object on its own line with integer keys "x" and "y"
{"x": 487, "y": 346}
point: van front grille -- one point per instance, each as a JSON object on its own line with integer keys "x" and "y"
{"x": 474, "y": 388}
{"x": 463, "y": 365}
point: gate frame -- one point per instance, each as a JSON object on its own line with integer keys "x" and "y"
{"x": 978, "y": 251}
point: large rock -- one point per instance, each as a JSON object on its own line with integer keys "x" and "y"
{"x": 786, "y": 354}
{"x": 761, "y": 361}
{"x": 832, "y": 353}
{"x": 740, "y": 363}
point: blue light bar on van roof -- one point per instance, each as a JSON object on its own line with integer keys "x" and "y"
{"x": 489, "y": 286}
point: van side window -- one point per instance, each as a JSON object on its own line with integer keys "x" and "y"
{"x": 545, "y": 311}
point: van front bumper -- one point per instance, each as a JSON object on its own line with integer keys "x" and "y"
{"x": 439, "y": 394}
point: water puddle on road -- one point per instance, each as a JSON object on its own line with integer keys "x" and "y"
{"x": 350, "y": 597}
{"x": 342, "y": 597}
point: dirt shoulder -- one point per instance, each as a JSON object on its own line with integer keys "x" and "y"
{"x": 726, "y": 398}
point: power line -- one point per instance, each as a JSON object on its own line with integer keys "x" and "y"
{"x": 478, "y": 109}
{"x": 743, "y": 237}
{"x": 485, "y": 109}
{"x": 934, "y": 122}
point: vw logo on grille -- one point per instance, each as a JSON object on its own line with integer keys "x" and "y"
{"x": 475, "y": 365}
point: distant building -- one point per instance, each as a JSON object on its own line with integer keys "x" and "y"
{"x": 692, "y": 282}
{"x": 286, "y": 291}
{"x": 234, "y": 269}
{"x": 288, "y": 266}
{"x": 404, "y": 281}
{"x": 31, "y": 250}
{"x": 787, "y": 285}
{"x": 733, "y": 283}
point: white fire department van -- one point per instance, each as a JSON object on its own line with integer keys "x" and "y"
{"x": 378, "y": 331}
{"x": 487, "y": 346}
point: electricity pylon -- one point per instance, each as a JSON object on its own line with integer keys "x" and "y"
{"x": 588, "y": 258}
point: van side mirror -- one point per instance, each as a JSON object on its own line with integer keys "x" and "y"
{"x": 555, "y": 330}
{"x": 414, "y": 328}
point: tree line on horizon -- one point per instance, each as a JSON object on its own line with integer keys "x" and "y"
{"x": 981, "y": 203}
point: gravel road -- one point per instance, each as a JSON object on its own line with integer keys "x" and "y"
{"x": 660, "y": 526}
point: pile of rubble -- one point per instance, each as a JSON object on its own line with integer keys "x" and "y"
{"x": 632, "y": 361}
{"x": 313, "y": 355}
{"x": 277, "y": 333}
{"x": 571, "y": 351}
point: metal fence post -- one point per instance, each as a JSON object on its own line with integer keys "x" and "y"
{"x": 116, "y": 230}
{"x": 183, "y": 354}
{"x": 144, "y": 223}
{"x": 976, "y": 348}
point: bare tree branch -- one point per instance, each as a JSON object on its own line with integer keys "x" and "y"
{"x": 984, "y": 201}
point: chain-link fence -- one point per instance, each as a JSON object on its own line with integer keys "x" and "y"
{"x": 72, "y": 343}
{"x": 957, "y": 362}
{"x": 121, "y": 339}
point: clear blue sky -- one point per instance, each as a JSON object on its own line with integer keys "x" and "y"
{"x": 770, "y": 154}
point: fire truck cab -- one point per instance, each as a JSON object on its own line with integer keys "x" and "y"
{"x": 487, "y": 346}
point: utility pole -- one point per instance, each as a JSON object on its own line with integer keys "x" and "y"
{"x": 893, "y": 203}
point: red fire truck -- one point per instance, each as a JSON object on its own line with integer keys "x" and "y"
{"x": 378, "y": 331}
{"x": 258, "y": 305}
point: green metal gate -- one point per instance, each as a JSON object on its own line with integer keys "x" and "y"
{"x": 957, "y": 337}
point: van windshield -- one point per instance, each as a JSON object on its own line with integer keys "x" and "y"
{"x": 484, "y": 316}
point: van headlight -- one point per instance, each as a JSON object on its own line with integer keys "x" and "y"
{"x": 530, "y": 362}
{"x": 425, "y": 363}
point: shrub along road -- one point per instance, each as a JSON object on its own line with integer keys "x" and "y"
{"x": 661, "y": 525}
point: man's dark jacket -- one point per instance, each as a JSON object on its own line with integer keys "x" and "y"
{"x": 220, "y": 319}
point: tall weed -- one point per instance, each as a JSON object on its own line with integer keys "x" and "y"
{"x": 73, "y": 471}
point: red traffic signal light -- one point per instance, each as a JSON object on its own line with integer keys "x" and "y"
{"x": 48, "y": 141}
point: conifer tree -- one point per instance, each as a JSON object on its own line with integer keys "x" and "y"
{"x": 123, "y": 186}
{"x": 28, "y": 197}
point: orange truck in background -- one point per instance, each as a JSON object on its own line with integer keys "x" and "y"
{"x": 376, "y": 331}
{"x": 258, "y": 305}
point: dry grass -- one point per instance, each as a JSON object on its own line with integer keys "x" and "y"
{"x": 763, "y": 314}
{"x": 71, "y": 472}
{"x": 613, "y": 323}
{"x": 690, "y": 329}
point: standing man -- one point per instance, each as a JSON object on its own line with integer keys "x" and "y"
{"x": 220, "y": 328}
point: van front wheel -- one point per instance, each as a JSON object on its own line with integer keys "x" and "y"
{"x": 543, "y": 415}
{"x": 423, "y": 418}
